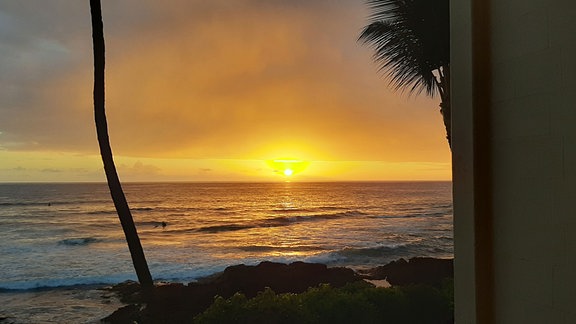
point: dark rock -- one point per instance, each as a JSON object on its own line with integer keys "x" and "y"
{"x": 176, "y": 303}
{"x": 296, "y": 277}
{"x": 126, "y": 314}
{"x": 129, "y": 291}
{"x": 6, "y": 320}
{"x": 419, "y": 270}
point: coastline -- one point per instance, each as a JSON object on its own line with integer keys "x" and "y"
{"x": 180, "y": 303}
{"x": 174, "y": 302}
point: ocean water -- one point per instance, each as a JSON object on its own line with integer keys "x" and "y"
{"x": 64, "y": 235}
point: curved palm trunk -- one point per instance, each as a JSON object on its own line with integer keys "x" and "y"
{"x": 116, "y": 192}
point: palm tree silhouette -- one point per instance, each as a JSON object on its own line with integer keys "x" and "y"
{"x": 411, "y": 39}
{"x": 124, "y": 214}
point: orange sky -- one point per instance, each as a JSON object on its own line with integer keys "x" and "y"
{"x": 207, "y": 91}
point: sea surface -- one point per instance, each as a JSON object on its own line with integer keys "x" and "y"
{"x": 63, "y": 237}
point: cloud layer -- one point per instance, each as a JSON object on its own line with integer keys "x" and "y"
{"x": 245, "y": 79}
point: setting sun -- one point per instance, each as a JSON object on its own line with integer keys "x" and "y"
{"x": 287, "y": 167}
{"x": 283, "y": 100}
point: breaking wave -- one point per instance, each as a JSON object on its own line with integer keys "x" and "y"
{"x": 79, "y": 241}
{"x": 278, "y": 222}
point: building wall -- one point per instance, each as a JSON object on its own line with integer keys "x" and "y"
{"x": 462, "y": 161}
{"x": 534, "y": 166}
{"x": 532, "y": 111}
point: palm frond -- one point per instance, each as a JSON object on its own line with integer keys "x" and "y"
{"x": 411, "y": 39}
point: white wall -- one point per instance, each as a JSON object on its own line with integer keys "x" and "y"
{"x": 533, "y": 161}
{"x": 462, "y": 161}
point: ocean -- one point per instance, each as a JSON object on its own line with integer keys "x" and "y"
{"x": 67, "y": 237}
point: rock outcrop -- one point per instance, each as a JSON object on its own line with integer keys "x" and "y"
{"x": 419, "y": 270}
{"x": 178, "y": 303}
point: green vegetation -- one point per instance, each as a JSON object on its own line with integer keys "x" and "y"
{"x": 354, "y": 303}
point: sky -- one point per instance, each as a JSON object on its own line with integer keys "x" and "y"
{"x": 214, "y": 90}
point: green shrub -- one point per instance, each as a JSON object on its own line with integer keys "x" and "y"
{"x": 354, "y": 303}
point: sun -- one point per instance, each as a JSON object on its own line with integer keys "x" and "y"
{"x": 287, "y": 167}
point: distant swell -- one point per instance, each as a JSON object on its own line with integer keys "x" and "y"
{"x": 63, "y": 283}
{"x": 79, "y": 241}
{"x": 277, "y": 222}
{"x": 99, "y": 212}
{"x": 142, "y": 209}
{"x": 376, "y": 251}
{"x": 51, "y": 203}
{"x": 138, "y": 210}
{"x": 318, "y": 217}
{"x": 113, "y": 211}
{"x": 224, "y": 228}
{"x": 290, "y": 210}
{"x": 412, "y": 215}
{"x": 9, "y": 204}
{"x": 267, "y": 248}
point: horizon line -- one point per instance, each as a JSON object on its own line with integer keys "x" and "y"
{"x": 217, "y": 181}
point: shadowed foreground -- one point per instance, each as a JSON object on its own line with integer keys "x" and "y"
{"x": 303, "y": 292}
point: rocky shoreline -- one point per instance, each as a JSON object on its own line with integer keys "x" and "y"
{"x": 179, "y": 303}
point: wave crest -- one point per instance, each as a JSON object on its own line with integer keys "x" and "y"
{"x": 278, "y": 221}
{"x": 79, "y": 241}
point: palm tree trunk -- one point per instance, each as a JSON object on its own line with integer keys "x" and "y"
{"x": 445, "y": 111}
{"x": 136, "y": 251}
{"x": 445, "y": 108}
